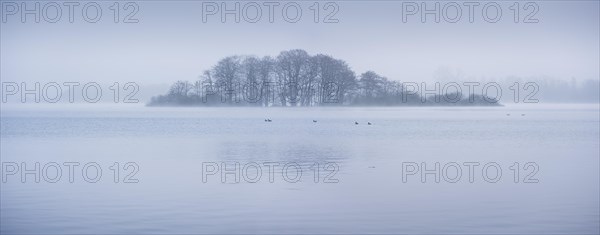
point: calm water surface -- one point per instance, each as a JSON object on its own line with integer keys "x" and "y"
{"x": 170, "y": 145}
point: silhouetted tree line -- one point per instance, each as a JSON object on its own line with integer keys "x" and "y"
{"x": 295, "y": 78}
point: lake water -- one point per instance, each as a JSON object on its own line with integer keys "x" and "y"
{"x": 359, "y": 187}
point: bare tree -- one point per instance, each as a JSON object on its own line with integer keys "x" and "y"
{"x": 251, "y": 84}
{"x": 303, "y": 80}
{"x": 371, "y": 84}
{"x": 180, "y": 89}
{"x": 266, "y": 72}
{"x": 292, "y": 67}
{"x": 227, "y": 74}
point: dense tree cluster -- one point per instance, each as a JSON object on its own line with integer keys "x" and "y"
{"x": 295, "y": 78}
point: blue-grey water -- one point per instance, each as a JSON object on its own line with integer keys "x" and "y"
{"x": 170, "y": 144}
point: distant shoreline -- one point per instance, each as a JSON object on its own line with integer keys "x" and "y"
{"x": 497, "y": 104}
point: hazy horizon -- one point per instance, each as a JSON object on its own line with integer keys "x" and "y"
{"x": 563, "y": 45}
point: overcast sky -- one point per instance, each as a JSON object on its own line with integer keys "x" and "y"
{"x": 171, "y": 42}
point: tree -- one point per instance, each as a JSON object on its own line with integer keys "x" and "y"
{"x": 227, "y": 75}
{"x": 334, "y": 74}
{"x": 292, "y": 69}
{"x": 295, "y": 78}
{"x": 180, "y": 89}
{"x": 266, "y": 72}
{"x": 251, "y": 84}
{"x": 371, "y": 84}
